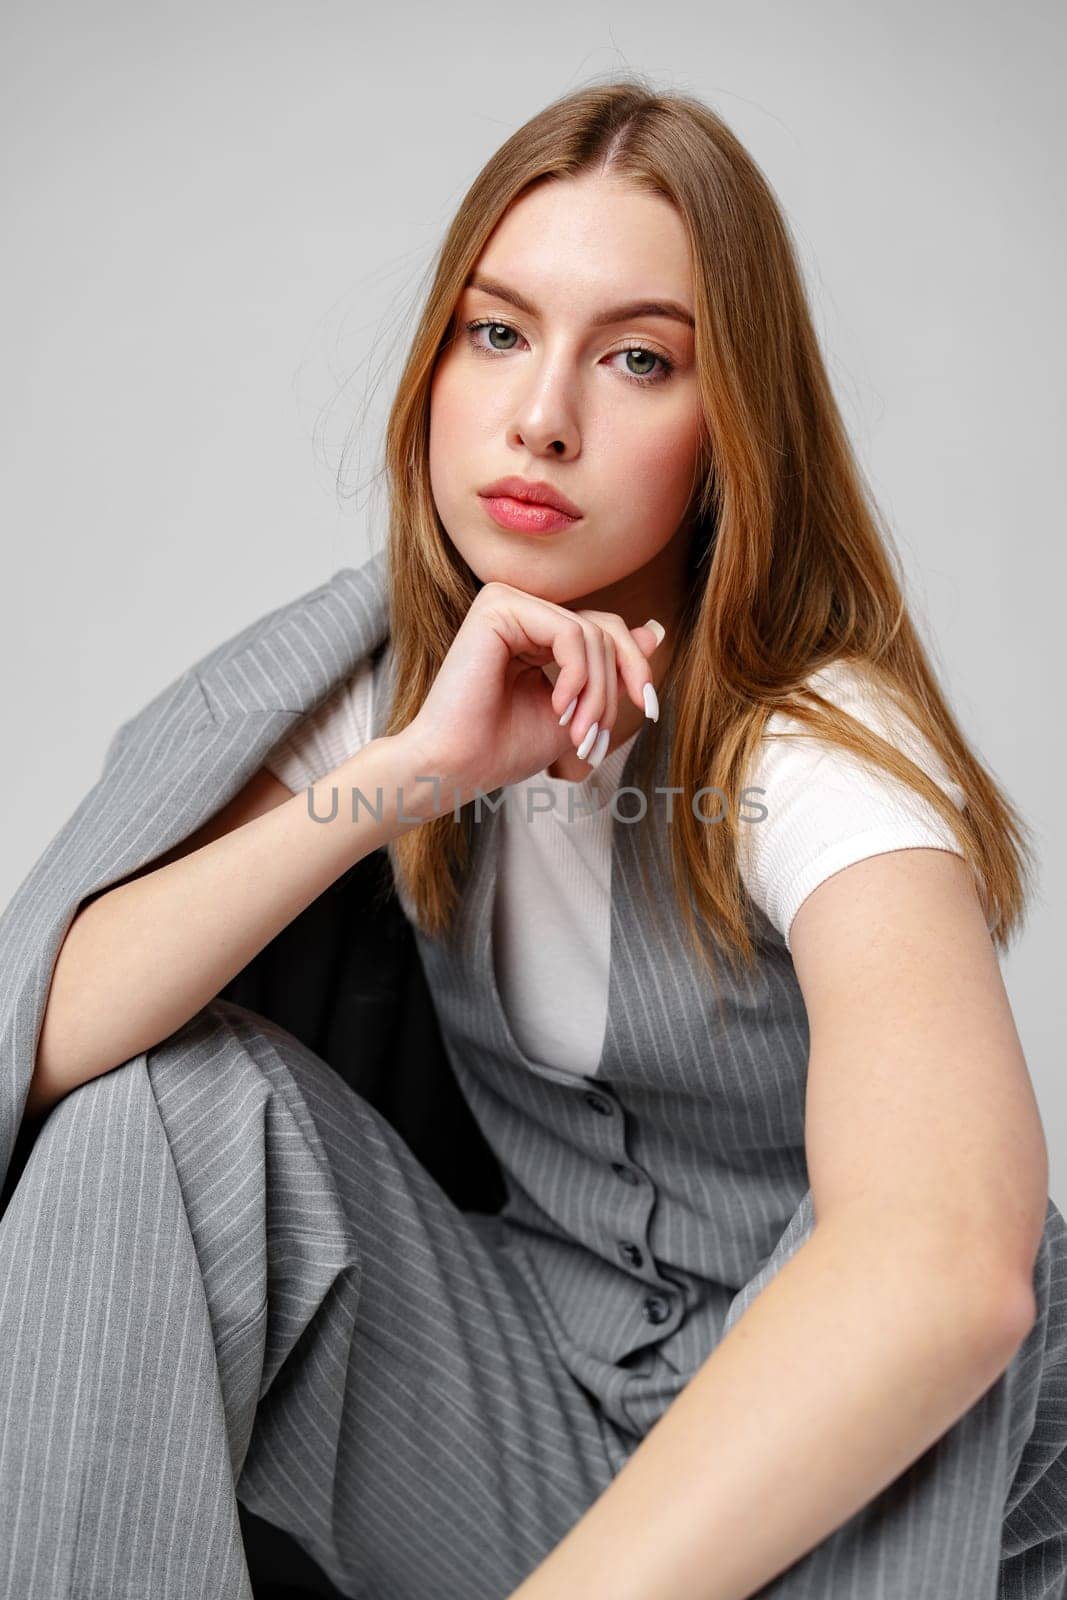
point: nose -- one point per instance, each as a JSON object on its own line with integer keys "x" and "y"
{"x": 544, "y": 420}
{"x": 541, "y": 442}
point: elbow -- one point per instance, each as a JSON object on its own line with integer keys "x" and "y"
{"x": 979, "y": 1293}
{"x": 1006, "y": 1273}
{"x": 1013, "y": 1310}
{"x": 996, "y": 1300}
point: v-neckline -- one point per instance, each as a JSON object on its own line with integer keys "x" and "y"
{"x": 483, "y": 901}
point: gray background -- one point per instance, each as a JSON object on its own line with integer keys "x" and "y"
{"x": 219, "y": 221}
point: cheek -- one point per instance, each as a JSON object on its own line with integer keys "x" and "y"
{"x": 662, "y": 456}
{"x": 446, "y": 432}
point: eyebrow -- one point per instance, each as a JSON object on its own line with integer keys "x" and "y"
{"x": 612, "y": 314}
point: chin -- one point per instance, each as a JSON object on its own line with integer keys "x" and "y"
{"x": 538, "y": 567}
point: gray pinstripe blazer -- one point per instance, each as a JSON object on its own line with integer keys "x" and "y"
{"x": 645, "y": 1202}
{"x": 172, "y": 765}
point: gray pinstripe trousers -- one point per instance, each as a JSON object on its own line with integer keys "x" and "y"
{"x": 222, "y": 1273}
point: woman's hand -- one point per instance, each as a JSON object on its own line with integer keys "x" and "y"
{"x": 492, "y": 715}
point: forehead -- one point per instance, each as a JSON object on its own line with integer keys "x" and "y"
{"x": 585, "y": 240}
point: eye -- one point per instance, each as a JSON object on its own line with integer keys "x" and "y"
{"x": 473, "y": 328}
{"x": 494, "y": 327}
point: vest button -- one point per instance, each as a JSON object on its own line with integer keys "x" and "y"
{"x": 598, "y": 1102}
{"x": 657, "y": 1308}
{"x": 627, "y": 1174}
{"x": 630, "y": 1253}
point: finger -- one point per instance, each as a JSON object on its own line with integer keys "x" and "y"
{"x": 632, "y": 648}
{"x": 525, "y": 623}
{"x": 590, "y": 706}
{"x": 647, "y": 639}
{"x": 611, "y": 680}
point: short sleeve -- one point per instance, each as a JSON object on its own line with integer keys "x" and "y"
{"x": 827, "y": 808}
{"x": 327, "y": 736}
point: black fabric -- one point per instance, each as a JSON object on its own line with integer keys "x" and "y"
{"x": 346, "y": 978}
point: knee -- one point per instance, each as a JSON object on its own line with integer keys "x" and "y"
{"x": 128, "y": 1110}
{"x": 226, "y": 1046}
{"x": 76, "y": 1123}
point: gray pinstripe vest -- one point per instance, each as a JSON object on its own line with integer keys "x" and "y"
{"x": 641, "y": 1199}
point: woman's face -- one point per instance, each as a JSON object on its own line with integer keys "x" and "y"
{"x": 607, "y": 412}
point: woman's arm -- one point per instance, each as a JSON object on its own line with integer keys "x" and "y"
{"x": 908, "y": 1299}
{"x": 142, "y": 957}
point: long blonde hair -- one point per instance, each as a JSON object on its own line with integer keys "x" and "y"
{"x": 790, "y": 560}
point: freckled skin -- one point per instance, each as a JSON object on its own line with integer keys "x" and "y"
{"x": 499, "y": 400}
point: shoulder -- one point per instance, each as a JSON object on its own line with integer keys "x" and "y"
{"x": 854, "y": 688}
{"x": 790, "y": 751}
{"x": 288, "y": 658}
{"x": 825, "y": 807}
{"x": 354, "y": 599}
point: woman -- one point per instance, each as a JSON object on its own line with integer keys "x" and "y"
{"x": 685, "y": 1040}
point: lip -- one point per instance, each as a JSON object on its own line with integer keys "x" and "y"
{"x": 525, "y": 516}
{"x": 531, "y": 492}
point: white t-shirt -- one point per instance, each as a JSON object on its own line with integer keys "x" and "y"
{"x": 552, "y": 909}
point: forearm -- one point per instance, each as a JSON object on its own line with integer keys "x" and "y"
{"x": 853, "y": 1360}
{"x": 142, "y": 958}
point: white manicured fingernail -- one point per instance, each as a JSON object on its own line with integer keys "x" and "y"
{"x": 600, "y": 749}
{"x": 651, "y": 702}
{"x": 588, "y": 742}
{"x": 658, "y": 629}
{"x": 568, "y": 714}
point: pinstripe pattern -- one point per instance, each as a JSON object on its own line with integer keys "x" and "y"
{"x": 221, "y": 1265}
{"x": 705, "y": 1109}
